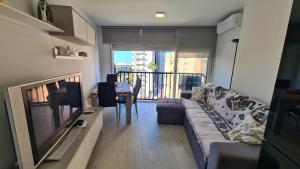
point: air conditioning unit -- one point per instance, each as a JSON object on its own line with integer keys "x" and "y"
{"x": 233, "y": 21}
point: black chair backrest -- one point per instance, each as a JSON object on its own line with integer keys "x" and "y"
{"x": 107, "y": 94}
{"x": 136, "y": 89}
{"x": 111, "y": 78}
{"x": 73, "y": 97}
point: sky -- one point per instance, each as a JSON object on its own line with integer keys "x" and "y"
{"x": 123, "y": 56}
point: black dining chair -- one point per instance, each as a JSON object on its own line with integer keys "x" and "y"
{"x": 136, "y": 90}
{"x": 107, "y": 96}
{"x": 111, "y": 78}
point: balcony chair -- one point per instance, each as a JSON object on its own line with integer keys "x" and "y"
{"x": 111, "y": 78}
{"x": 107, "y": 96}
{"x": 136, "y": 90}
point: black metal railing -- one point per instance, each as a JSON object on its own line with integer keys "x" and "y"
{"x": 157, "y": 85}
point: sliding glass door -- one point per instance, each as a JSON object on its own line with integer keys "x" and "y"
{"x": 164, "y": 74}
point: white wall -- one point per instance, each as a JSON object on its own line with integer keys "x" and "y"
{"x": 106, "y": 61}
{"x": 224, "y": 58}
{"x": 261, "y": 42}
{"x": 26, "y": 56}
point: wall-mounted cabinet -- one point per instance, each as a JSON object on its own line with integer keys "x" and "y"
{"x": 76, "y": 28}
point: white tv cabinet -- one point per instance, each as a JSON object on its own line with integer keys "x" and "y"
{"x": 78, "y": 155}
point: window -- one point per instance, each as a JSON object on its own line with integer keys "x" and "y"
{"x": 161, "y": 76}
{"x": 144, "y": 61}
{"x": 192, "y": 62}
{"x": 191, "y": 69}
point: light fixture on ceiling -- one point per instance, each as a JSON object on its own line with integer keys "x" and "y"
{"x": 160, "y": 14}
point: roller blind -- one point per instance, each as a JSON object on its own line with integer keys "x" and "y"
{"x": 140, "y": 38}
{"x": 185, "y": 39}
{"x": 121, "y": 35}
{"x": 161, "y": 38}
{"x": 196, "y": 39}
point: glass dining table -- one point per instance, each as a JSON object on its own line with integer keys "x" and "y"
{"x": 123, "y": 89}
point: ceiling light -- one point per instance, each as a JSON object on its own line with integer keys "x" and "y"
{"x": 160, "y": 14}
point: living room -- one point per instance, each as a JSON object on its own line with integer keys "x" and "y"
{"x": 240, "y": 45}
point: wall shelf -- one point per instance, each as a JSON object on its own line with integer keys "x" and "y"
{"x": 72, "y": 57}
{"x": 16, "y": 16}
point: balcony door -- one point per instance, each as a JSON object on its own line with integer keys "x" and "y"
{"x": 155, "y": 68}
{"x": 164, "y": 74}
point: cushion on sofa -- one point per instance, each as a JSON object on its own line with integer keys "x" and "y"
{"x": 199, "y": 94}
{"x": 249, "y": 131}
{"x": 233, "y": 106}
{"x": 190, "y": 104}
{"x": 261, "y": 114}
{"x": 204, "y": 128}
{"x": 216, "y": 98}
{"x": 170, "y": 111}
{"x": 257, "y": 110}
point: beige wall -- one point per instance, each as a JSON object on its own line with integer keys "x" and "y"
{"x": 261, "y": 42}
{"x": 26, "y": 56}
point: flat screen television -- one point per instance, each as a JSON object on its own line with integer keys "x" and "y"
{"x": 41, "y": 113}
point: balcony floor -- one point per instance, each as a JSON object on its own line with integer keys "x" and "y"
{"x": 142, "y": 145}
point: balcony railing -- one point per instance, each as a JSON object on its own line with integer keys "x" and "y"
{"x": 157, "y": 85}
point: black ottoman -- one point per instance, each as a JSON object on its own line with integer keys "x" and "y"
{"x": 170, "y": 111}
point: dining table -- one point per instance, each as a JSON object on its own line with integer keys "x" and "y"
{"x": 123, "y": 89}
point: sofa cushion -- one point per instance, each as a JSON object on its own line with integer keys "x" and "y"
{"x": 249, "y": 131}
{"x": 261, "y": 114}
{"x": 222, "y": 125}
{"x": 232, "y": 106}
{"x": 170, "y": 111}
{"x": 190, "y": 104}
{"x": 257, "y": 110}
{"x": 199, "y": 94}
{"x": 216, "y": 98}
{"x": 204, "y": 128}
{"x": 170, "y": 106}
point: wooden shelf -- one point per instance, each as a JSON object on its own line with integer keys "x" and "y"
{"x": 72, "y": 57}
{"x": 16, "y": 16}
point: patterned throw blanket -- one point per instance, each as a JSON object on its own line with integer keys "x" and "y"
{"x": 220, "y": 123}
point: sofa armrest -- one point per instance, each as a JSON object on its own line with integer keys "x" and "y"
{"x": 186, "y": 95}
{"x": 233, "y": 156}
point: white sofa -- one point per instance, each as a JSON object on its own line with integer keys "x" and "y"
{"x": 208, "y": 124}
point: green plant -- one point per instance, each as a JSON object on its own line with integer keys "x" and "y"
{"x": 152, "y": 66}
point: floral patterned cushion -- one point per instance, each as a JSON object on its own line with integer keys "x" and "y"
{"x": 199, "y": 94}
{"x": 249, "y": 131}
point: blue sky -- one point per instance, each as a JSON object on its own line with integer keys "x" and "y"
{"x": 123, "y": 56}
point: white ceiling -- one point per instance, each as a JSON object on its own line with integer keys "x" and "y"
{"x": 142, "y": 12}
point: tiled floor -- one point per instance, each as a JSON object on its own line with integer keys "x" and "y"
{"x": 142, "y": 145}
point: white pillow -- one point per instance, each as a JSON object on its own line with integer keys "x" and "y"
{"x": 249, "y": 131}
{"x": 198, "y": 94}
